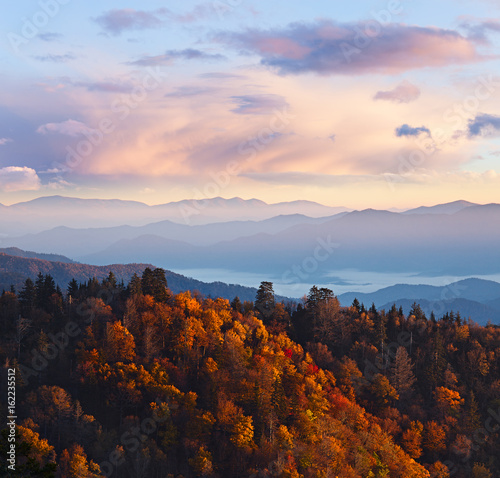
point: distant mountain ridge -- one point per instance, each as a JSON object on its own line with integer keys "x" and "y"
{"x": 52, "y": 211}
{"x": 476, "y": 311}
{"x": 448, "y": 208}
{"x": 15, "y": 251}
{"x": 478, "y": 299}
{"x": 473, "y": 289}
{"x": 460, "y": 243}
{"x": 79, "y": 242}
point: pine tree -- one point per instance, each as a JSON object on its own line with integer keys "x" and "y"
{"x": 237, "y": 305}
{"x": 154, "y": 283}
{"x": 28, "y": 297}
{"x": 401, "y": 376}
{"x": 135, "y": 287}
{"x": 264, "y": 300}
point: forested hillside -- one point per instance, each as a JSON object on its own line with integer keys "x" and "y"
{"x": 137, "y": 381}
{"x": 16, "y": 266}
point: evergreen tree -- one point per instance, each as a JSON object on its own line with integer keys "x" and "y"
{"x": 135, "y": 287}
{"x": 154, "y": 283}
{"x": 73, "y": 289}
{"x": 264, "y": 300}
{"x": 402, "y": 377}
{"x": 237, "y": 305}
{"x": 28, "y": 297}
{"x": 356, "y": 305}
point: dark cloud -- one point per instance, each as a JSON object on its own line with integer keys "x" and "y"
{"x": 258, "y": 104}
{"x": 330, "y": 48}
{"x": 118, "y": 20}
{"x": 484, "y": 125}
{"x": 171, "y": 55}
{"x": 403, "y": 93}
{"x": 56, "y": 58}
{"x": 407, "y": 130}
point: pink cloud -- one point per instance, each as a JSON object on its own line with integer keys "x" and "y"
{"x": 15, "y": 178}
{"x": 69, "y": 128}
{"x": 328, "y": 48}
{"x": 405, "y": 92}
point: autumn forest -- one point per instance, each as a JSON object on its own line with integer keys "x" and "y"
{"x": 131, "y": 380}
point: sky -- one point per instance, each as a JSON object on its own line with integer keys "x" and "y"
{"x": 359, "y": 104}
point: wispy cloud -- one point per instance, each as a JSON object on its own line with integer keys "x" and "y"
{"x": 478, "y": 31}
{"x": 405, "y": 92}
{"x": 4, "y": 141}
{"x": 15, "y": 178}
{"x": 484, "y": 125}
{"x": 68, "y": 128}
{"x": 330, "y": 48}
{"x": 258, "y": 104}
{"x": 216, "y": 75}
{"x": 407, "y": 130}
{"x": 172, "y": 55}
{"x": 105, "y": 86}
{"x": 117, "y": 21}
{"x": 189, "y": 91}
{"x": 56, "y": 58}
{"x": 49, "y": 36}
{"x": 199, "y": 12}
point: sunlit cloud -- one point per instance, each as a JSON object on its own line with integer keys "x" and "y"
{"x": 331, "y": 48}
{"x": 68, "y": 128}
{"x": 15, "y": 178}
{"x": 405, "y": 92}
